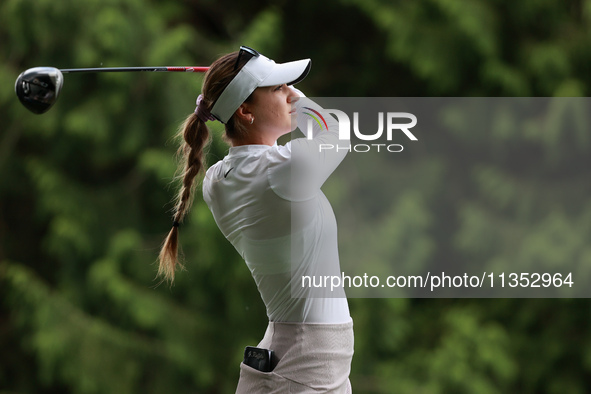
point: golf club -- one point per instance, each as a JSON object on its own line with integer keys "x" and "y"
{"x": 38, "y": 88}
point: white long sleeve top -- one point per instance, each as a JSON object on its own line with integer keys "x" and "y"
{"x": 267, "y": 202}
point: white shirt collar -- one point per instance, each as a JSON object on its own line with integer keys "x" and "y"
{"x": 247, "y": 150}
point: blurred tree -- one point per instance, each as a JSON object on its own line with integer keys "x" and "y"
{"x": 85, "y": 190}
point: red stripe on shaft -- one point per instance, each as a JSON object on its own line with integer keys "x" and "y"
{"x": 188, "y": 69}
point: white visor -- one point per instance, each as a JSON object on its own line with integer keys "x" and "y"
{"x": 259, "y": 71}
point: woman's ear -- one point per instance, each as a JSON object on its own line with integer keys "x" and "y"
{"x": 244, "y": 112}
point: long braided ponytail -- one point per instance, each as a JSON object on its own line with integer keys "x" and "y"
{"x": 195, "y": 136}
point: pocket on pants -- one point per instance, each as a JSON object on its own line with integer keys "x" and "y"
{"x": 255, "y": 381}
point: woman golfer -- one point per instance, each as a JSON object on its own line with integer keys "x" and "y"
{"x": 266, "y": 200}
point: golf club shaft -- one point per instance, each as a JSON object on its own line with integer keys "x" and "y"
{"x": 129, "y": 69}
{"x": 38, "y": 88}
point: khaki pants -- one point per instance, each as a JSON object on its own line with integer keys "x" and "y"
{"x": 313, "y": 358}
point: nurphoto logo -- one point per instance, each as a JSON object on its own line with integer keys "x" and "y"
{"x": 393, "y": 126}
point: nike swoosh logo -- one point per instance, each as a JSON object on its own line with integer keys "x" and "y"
{"x": 226, "y": 174}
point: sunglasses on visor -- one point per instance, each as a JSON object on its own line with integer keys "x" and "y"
{"x": 246, "y": 51}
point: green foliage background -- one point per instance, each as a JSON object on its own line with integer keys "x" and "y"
{"x": 85, "y": 192}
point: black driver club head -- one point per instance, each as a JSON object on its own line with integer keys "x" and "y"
{"x": 38, "y": 88}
